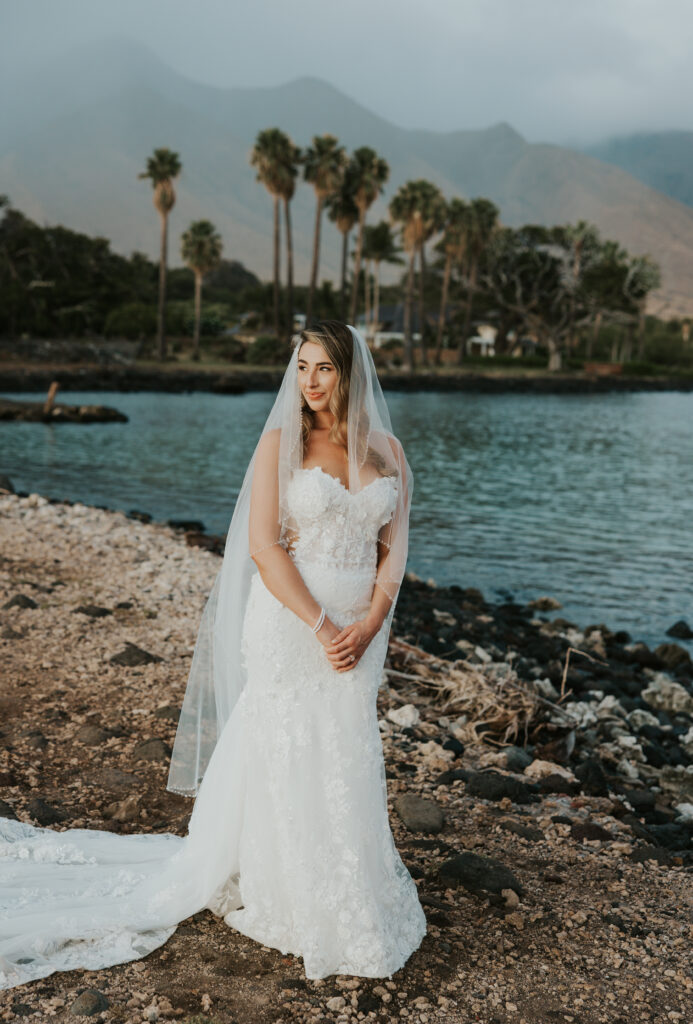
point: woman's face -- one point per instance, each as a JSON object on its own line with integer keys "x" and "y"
{"x": 317, "y": 375}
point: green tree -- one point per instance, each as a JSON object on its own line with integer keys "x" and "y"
{"x": 162, "y": 168}
{"x": 201, "y": 249}
{"x": 369, "y": 174}
{"x": 323, "y": 167}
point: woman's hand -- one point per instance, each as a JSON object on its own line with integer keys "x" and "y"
{"x": 347, "y": 646}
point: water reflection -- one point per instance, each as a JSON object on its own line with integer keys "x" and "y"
{"x": 588, "y": 498}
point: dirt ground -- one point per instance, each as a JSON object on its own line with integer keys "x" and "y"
{"x": 595, "y": 936}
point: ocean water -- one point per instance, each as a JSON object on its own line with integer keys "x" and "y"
{"x": 588, "y": 498}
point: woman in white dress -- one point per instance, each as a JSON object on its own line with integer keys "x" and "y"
{"x": 289, "y": 839}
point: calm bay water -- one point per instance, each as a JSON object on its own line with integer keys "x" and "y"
{"x": 588, "y": 498}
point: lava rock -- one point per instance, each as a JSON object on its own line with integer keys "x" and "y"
{"x": 674, "y": 656}
{"x": 589, "y": 830}
{"x": 20, "y": 601}
{"x": 152, "y": 750}
{"x": 133, "y": 655}
{"x": 45, "y": 813}
{"x": 533, "y": 835}
{"x": 170, "y": 713}
{"x": 7, "y": 811}
{"x": 92, "y": 735}
{"x": 681, "y": 630}
{"x": 479, "y": 874}
{"x": 592, "y": 777}
{"x": 494, "y": 786}
{"x": 95, "y": 611}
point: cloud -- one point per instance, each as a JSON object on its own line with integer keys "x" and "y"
{"x": 556, "y": 70}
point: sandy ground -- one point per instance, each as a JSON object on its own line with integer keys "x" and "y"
{"x": 593, "y": 936}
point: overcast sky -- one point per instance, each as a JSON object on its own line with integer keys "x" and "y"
{"x": 565, "y": 71}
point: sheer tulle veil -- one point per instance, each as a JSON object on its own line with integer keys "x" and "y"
{"x": 217, "y": 673}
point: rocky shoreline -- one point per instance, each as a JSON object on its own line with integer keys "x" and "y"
{"x": 540, "y": 780}
{"x": 94, "y": 377}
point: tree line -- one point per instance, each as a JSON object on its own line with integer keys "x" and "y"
{"x": 555, "y": 284}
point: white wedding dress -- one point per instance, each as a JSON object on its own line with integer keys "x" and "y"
{"x": 289, "y": 839}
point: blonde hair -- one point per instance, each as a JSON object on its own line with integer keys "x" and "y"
{"x": 337, "y": 340}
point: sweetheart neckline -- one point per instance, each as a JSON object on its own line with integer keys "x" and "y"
{"x": 330, "y": 476}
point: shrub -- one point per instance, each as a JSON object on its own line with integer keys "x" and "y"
{"x": 134, "y": 320}
{"x": 267, "y": 350}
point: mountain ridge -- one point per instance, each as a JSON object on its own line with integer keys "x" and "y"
{"x": 77, "y": 160}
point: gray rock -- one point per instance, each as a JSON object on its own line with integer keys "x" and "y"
{"x": 6, "y": 484}
{"x": 92, "y": 735}
{"x": 517, "y": 759}
{"x": 418, "y": 814}
{"x": 479, "y": 874}
{"x": 170, "y": 713}
{"x": 45, "y": 813}
{"x": 89, "y": 1002}
{"x": 152, "y": 750}
{"x": 133, "y": 655}
{"x": 20, "y": 601}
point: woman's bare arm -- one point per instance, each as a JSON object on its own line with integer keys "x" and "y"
{"x": 277, "y": 569}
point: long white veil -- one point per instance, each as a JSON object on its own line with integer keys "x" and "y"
{"x": 89, "y": 898}
{"x": 217, "y": 672}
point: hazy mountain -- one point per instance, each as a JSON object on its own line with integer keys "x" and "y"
{"x": 663, "y": 160}
{"x": 76, "y": 135}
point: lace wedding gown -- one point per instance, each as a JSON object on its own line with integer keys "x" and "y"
{"x": 289, "y": 839}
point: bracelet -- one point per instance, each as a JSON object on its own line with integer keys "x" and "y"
{"x": 321, "y": 619}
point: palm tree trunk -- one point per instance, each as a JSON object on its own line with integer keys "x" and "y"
{"x": 345, "y": 256}
{"x": 357, "y": 266}
{"x": 289, "y": 270}
{"x": 641, "y": 331}
{"x": 443, "y": 304}
{"x": 198, "y": 314}
{"x": 276, "y": 264}
{"x": 408, "y": 343}
{"x": 594, "y": 334}
{"x": 161, "y": 312}
{"x": 316, "y": 260}
{"x": 422, "y": 311}
{"x": 471, "y": 288}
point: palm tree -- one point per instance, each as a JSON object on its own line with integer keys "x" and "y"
{"x": 290, "y": 159}
{"x": 162, "y": 167}
{"x": 433, "y": 208}
{"x": 370, "y": 172}
{"x": 323, "y": 168}
{"x": 405, "y": 209}
{"x": 343, "y": 211}
{"x": 378, "y": 247}
{"x": 453, "y": 245}
{"x": 201, "y": 249}
{"x": 483, "y": 222}
{"x": 267, "y": 158}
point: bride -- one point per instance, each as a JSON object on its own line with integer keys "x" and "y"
{"x": 289, "y": 839}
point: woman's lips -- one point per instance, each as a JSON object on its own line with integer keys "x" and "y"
{"x": 314, "y": 394}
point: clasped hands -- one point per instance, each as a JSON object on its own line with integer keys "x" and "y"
{"x": 344, "y": 647}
